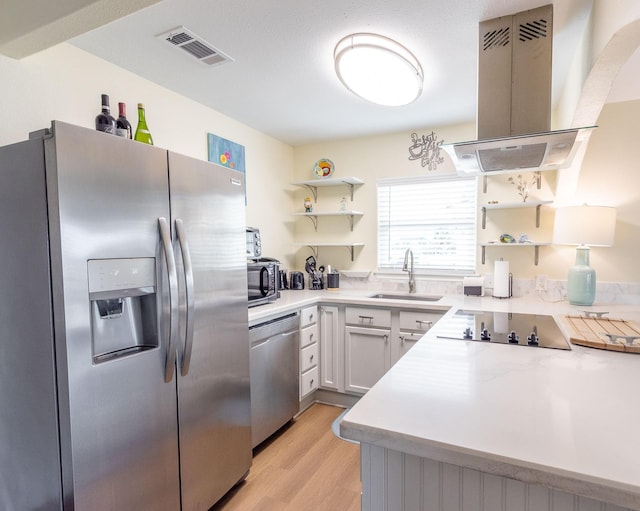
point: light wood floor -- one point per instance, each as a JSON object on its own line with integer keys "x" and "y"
{"x": 304, "y": 467}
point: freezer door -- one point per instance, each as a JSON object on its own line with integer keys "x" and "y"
{"x": 208, "y": 212}
{"x": 118, "y": 414}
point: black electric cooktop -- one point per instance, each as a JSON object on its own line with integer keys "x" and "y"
{"x": 512, "y": 328}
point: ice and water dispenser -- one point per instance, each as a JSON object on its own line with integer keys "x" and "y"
{"x": 123, "y": 306}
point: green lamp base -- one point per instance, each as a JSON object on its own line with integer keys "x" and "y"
{"x": 581, "y": 283}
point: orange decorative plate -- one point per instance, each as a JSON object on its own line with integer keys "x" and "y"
{"x": 323, "y": 168}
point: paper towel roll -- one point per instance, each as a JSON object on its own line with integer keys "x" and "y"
{"x": 501, "y": 287}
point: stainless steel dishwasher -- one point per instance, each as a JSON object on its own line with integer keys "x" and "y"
{"x": 274, "y": 375}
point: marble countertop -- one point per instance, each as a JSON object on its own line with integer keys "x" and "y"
{"x": 291, "y": 300}
{"x": 565, "y": 419}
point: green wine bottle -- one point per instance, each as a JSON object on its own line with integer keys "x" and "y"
{"x": 142, "y": 131}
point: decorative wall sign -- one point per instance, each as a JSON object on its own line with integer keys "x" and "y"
{"x": 225, "y": 152}
{"x": 427, "y": 149}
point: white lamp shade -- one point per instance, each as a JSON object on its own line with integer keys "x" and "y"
{"x": 585, "y": 225}
{"x": 378, "y": 69}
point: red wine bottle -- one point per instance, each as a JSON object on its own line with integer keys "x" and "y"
{"x": 104, "y": 120}
{"x": 123, "y": 127}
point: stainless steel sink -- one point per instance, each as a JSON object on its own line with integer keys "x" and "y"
{"x": 406, "y": 296}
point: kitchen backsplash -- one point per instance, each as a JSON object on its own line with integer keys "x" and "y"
{"x": 606, "y": 292}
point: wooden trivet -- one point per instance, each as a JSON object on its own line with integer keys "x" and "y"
{"x": 604, "y": 333}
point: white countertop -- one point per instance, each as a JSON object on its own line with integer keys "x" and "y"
{"x": 565, "y": 419}
{"x": 290, "y": 300}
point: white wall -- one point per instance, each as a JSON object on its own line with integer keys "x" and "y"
{"x": 65, "y": 83}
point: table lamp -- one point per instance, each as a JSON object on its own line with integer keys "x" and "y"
{"x": 583, "y": 226}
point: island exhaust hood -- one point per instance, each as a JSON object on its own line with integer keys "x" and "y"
{"x": 514, "y": 100}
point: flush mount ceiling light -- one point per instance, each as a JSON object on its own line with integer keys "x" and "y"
{"x": 378, "y": 69}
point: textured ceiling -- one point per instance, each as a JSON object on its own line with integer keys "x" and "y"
{"x": 282, "y": 81}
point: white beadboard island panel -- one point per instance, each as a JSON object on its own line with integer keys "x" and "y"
{"x": 395, "y": 481}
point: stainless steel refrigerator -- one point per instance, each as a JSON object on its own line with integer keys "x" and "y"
{"x": 124, "y": 368}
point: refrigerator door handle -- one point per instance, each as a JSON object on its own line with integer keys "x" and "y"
{"x": 172, "y": 273}
{"x": 190, "y": 309}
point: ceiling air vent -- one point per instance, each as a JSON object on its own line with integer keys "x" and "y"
{"x": 195, "y": 46}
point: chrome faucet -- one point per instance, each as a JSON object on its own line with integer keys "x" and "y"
{"x": 405, "y": 267}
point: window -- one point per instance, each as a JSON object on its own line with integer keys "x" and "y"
{"x": 434, "y": 216}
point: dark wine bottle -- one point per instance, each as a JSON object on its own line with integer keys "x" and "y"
{"x": 104, "y": 120}
{"x": 123, "y": 126}
{"x": 142, "y": 131}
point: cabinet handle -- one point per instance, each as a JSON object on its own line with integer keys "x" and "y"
{"x": 311, "y": 317}
{"x": 311, "y": 382}
{"x": 402, "y": 339}
{"x": 420, "y": 322}
{"x": 311, "y": 358}
{"x": 311, "y": 336}
{"x": 386, "y": 338}
{"x": 366, "y": 318}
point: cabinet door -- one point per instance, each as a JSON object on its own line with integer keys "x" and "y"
{"x": 367, "y": 357}
{"x": 331, "y": 361}
{"x": 403, "y": 343}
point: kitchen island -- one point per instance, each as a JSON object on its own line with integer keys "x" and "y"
{"x": 458, "y": 425}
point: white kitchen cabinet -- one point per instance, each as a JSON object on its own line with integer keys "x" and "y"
{"x": 408, "y": 328}
{"x": 331, "y": 357}
{"x": 308, "y": 316}
{"x": 367, "y": 347}
{"x": 367, "y": 317}
{"x": 404, "y": 343}
{"x": 376, "y": 338}
{"x": 367, "y": 357}
{"x": 308, "y": 350}
{"x": 418, "y": 321}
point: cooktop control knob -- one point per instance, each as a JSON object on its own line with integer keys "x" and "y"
{"x": 485, "y": 335}
{"x": 513, "y": 337}
{"x": 533, "y": 339}
{"x": 467, "y": 334}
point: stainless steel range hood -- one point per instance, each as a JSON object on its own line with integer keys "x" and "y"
{"x": 514, "y": 100}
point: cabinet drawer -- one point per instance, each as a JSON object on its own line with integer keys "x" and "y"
{"x": 308, "y": 357}
{"x": 308, "y": 316}
{"x": 308, "y": 335}
{"x": 418, "y": 321}
{"x": 308, "y": 381}
{"x": 368, "y": 317}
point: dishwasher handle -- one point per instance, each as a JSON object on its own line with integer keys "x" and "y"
{"x": 259, "y": 342}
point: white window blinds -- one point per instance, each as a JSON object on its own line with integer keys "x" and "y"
{"x": 434, "y": 216}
